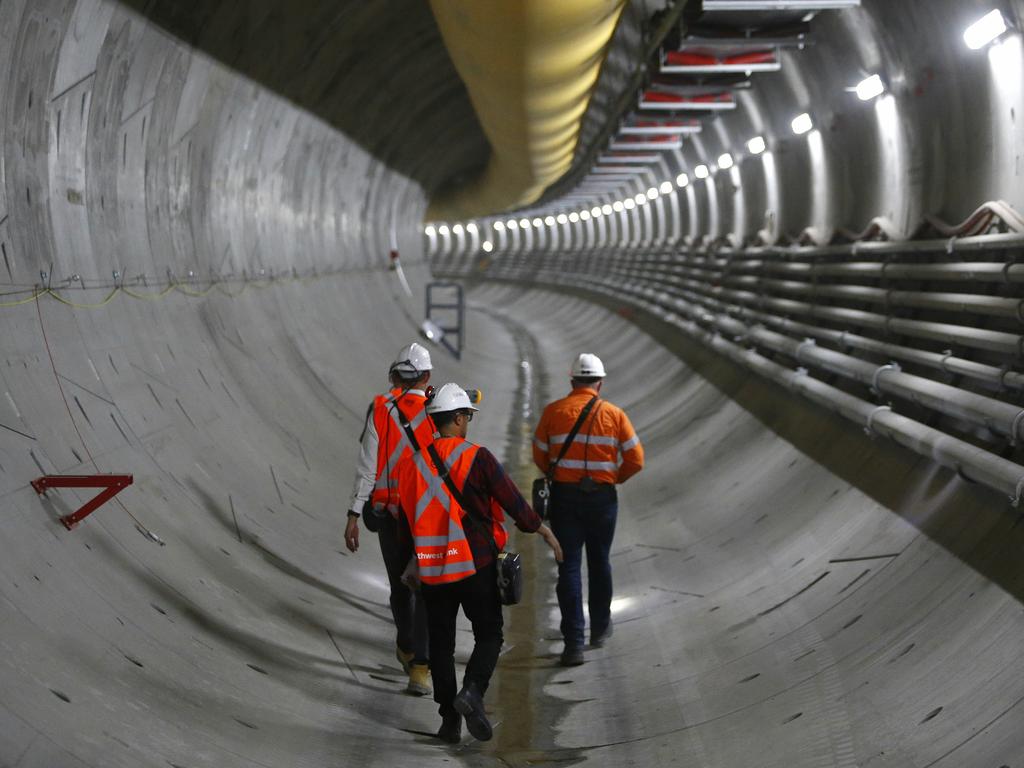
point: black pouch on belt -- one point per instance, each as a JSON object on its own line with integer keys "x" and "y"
{"x": 542, "y": 485}
{"x": 373, "y": 517}
{"x": 587, "y": 485}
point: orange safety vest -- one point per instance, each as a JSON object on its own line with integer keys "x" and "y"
{"x": 435, "y": 518}
{"x": 606, "y": 449}
{"x": 392, "y": 442}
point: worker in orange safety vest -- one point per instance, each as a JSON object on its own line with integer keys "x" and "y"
{"x": 585, "y": 469}
{"x": 393, "y": 422}
{"x": 453, "y": 550}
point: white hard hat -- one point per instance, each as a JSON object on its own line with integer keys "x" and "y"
{"x": 450, "y": 397}
{"x": 412, "y": 359}
{"x": 587, "y": 366}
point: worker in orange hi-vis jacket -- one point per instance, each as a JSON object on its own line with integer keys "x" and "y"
{"x": 604, "y": 450}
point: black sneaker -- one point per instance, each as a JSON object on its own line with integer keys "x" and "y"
{"x": 598, "y": 639}
{"x": 572, "y": 656}
{"x": 451, "y": 729}
{"x": 470, "y": 705}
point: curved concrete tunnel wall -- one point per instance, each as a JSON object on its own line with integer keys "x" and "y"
{"x": 750, "y": 627}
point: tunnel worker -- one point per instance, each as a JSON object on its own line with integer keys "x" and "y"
{"x": 587, "y": 465}
{"x": 452, "y": 551}
{"x": 393, "y": 422}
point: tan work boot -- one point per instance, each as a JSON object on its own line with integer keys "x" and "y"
{"x": 419, "y": 680}
{"x": 405, "y": 659}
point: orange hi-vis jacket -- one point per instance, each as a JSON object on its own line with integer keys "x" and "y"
{"x": 392, "y": 443}
{"x": 435, "y": 520}
{"x": 606, "y": 448}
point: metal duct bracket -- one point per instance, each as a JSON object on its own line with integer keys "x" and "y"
{"x": 869, "y": 427}
{"x": 878, "y": 372}
{"x": 112, "y": 485}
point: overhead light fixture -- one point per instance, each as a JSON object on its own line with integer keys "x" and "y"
{"x": 471, "y": 227}
{"x": 595, "y": 211}
{"x": 457, "y": 229}
{"x": 574, "y": 217}
{"x": 607, "y": 208}
{"x": 499, "y": 226}
{"x": 725, "y": 161}
{"x": 802, "y": 124}
{"x": 524, "y": 223}
{"x": 561, "y": 218}
{"x": 488, "y": 246}
{"x": 640, "y": 198}
{"x": 870, "y": 87}
{"x": 431, "y": 331}
{"x": 429, "y": 231}
{"x": 538, "y": 221}
{"x": 617, "y": 206}
{"x": 549, "y": 220}
{"x": 512, "y": 224}
{"x": 584, "y": 216}
{"x": 443, "y": 229}
{"x": 628, "y": 204}
{"x": 682, "y": 180}
{"x": 985, "y": 30}
{"x": 701, "y": 172}
{"x": 756, "y": 145}
{"x": 652, "y": 193}
{"x": 665, "y": 188}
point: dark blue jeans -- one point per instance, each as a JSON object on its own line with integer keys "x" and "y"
{"x": 581, "y": 520}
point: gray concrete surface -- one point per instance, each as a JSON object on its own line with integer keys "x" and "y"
{"x": 789, "y": 592}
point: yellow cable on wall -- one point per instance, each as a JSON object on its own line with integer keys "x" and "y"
{"x": 529, "y": 67}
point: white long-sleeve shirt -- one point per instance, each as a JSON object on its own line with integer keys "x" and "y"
{"x": 366, "y": 465}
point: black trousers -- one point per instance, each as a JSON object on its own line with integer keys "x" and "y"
{"x": 478, "y": 597}
{"x": 407, "y": 607}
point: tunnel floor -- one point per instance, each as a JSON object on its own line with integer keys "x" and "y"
{"x": 788, "y": 591}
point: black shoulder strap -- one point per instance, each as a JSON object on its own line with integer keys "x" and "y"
{"x": 443, "y": 471}
{"x": 572, "y": 436}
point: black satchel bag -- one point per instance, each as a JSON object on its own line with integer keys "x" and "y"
{"x": 508, "y": 566}
{"x": 542, "y": 485}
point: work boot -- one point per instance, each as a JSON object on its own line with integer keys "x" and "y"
{"x": 572, "y": 656}
{"x": 451, "y": 729}
{"x": 470, "y": 705}
{"x": 405, "y": 659}
{"x": 419, "y": 680}
{"x": 598, "y": 639}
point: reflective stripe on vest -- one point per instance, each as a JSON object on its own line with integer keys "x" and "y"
{"x": 442, "y": 549}
{"x": 393, "y": 444}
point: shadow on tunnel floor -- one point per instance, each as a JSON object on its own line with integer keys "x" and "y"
{"x": 375, "y": 70}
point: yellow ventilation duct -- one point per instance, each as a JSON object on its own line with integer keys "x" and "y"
{"x": 529, "y": 67}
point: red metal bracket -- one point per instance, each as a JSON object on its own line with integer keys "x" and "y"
{"x": 113, "y": 484}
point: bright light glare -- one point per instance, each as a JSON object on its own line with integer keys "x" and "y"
{"x": 607, "y": 208}
{"x": 585, "y": 215}
{"x": 443, "y": 229}
{"x": 870, "y": 87}
{"x": 499, "y": 226}
{"x": 561, "y": 218}
{"x": 524, "y": 223}
{"x": 471, "y": 227}
{"x": 640, "y": 198}
{"x": 537, "y": 221}
{"x": 628, "y": 204}
{"x": 725, "y": 161}
{"x": 701, "y": 172}
{"x": 802, "y": 124}
{"x": 682, "y": 180}
{"x": 665, "y": 188}
{"x": 652, "y": 193}
{"x": 756, "y": 145}
{"x": 512, "y": 224}
{"x": 488, "y": 246}
{"x": 549, "y": 220}
{"x": 617, "y": 206}
{"x": 595, "y": 211}
{"x": 429, "y": 231}
{"x": 574, "y": 217}
{"x": 457, "y": 229}
{"x": 984, "y": 30}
